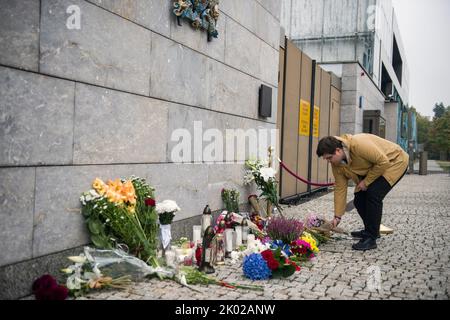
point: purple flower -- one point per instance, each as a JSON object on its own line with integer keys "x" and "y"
{"x": 284, "y": 229}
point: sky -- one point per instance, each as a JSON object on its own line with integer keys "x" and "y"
{"x": 425, "y": 29}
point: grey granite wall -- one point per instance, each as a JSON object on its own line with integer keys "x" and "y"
{"x": 103, "y": 101}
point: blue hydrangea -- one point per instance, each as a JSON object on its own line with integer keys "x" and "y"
{"x": 255, "y": 267}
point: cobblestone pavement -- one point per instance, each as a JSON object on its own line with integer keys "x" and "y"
{"x": 412, "y": 263}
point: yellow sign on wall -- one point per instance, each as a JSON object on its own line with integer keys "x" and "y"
{"x": 316, "y": 121}
{"x": 303, "y": 124}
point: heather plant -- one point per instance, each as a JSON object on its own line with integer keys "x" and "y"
{"x": 284, "y": 229}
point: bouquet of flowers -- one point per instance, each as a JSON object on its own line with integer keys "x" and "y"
{"x": 301, "y": 250}
{"x": 231, "y": 199}
{"x": 122, "y": 212}
{"x": 166, "y": 211}
{"x": 100, "y": 269}
{"x": 321, "y": 228}
{"x": 267, "y": 264}
{"x": 264, "y": 177}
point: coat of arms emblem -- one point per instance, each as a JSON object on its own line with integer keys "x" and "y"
{"x": 203, "y": 14}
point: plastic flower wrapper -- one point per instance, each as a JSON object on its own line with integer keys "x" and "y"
{"x": 97, "y": 269}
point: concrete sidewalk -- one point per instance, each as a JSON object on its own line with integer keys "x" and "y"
{"x": 412, "y": 263}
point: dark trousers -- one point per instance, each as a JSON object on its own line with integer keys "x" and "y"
{"x": 369, "y": 204}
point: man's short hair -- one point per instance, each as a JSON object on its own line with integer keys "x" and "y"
{"x": 328, "y": 145}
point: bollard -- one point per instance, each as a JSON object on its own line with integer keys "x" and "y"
{"x": 423, "y": 163}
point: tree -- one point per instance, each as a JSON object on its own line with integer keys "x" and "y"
{"x": 439, "y": 134}
{"x": 423, "y": 128}
{"x": 438, "y": 110}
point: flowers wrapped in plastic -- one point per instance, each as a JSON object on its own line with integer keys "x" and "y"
{"x": 122, "y": 212}
{"x": 99, "y": 269}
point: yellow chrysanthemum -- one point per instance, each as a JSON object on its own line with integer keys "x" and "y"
{"x": 312, "y": 242}
{"x": 99, "y": 186}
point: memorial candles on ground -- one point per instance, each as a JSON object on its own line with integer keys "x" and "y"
{"x": 196, "y": 234}
{"x": 170, "y": 258}
{"x": 244, "y": 231}
{"x": 238, "y": 236}
{"x": 250, "y": 241}
{"x": 228, "y": 241}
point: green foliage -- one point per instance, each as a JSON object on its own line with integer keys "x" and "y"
{"x": 230, "y": 198}
{"x": 111, "y": 224}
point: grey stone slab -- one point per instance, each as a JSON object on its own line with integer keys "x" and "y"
{"x": 178, "y": 73}
{"x": 17, "y": 279}
{"x": 243, "y": 49}
{"x": 36, "y": 119}
{"x": 155, "y": 14}
{"x": 19, "y": 34}
{"x": 233, "y": 91}
{"x": 116, "y": 127}
{"x": 228, "y": 176}
{"x": 274, "y": 7}
{"x": 16, "y": 214}
{"x": 187, "y": 184}
{"x": 197, "y": 39}
{"x": 206, "y": 132}
{"x": 267, "y": 27}
{"x": 255, "y": 18}
{"x": 107, "y": 50}
{"x": 269, "y": 64}
{"x": 59, "y": 223}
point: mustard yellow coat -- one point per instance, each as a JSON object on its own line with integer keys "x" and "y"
{"x": 368, "y": 156}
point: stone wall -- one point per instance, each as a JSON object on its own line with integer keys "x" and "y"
{"x": 102, "y": 101}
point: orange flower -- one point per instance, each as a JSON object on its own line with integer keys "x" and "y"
{"x": 99, "y": 186}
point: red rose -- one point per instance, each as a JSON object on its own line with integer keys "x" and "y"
{"x": 273, "y": 264}
{"x": 46, "y": 288}
{"x": 149, "y": 202}
{"x": 44, "y": 283}
{"x": 267, "y": 254}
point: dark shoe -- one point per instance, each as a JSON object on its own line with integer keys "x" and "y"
{"x": 365, "y": 244}
{"x": 361, "y": 234}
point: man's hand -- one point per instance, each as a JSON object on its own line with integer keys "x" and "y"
{"x": 336, "y": 221}
{"x": 362, "y": 186}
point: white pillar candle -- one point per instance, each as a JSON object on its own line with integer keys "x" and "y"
{"x": 170, "y": 258}
{"x": 229, "y": 240}
{"x": 196, "y": 233}
{"x": 244, "y": 234}
{"x": 238, "y": 231}
{"x": 250, "y": 240}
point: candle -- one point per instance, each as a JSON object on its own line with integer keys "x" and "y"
{"x": 250, "y": 240}
{"x": 238, "y": 232}
{"x": 196, "y": 233}
{"x": 229, "y": 240}
{"x": 244, "y": 234}
{"x": 170, "y": 258}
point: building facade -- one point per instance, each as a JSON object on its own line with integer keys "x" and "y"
{"x": 360, "y": 42}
